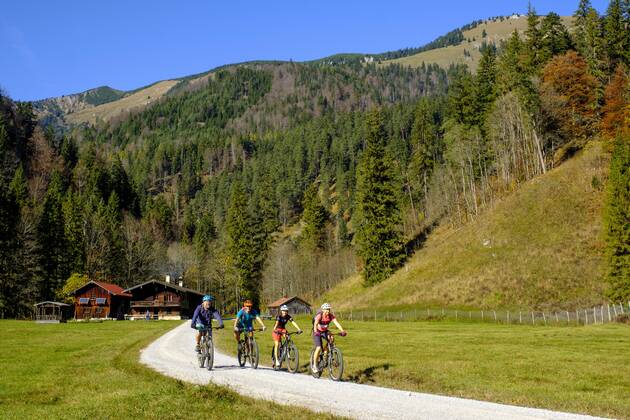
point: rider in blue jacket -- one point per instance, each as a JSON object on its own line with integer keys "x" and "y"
{"x": 202, "y": 318}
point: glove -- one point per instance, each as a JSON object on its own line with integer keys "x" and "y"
{"x": 343, "y": 333}
{"x": 300, "y": 331}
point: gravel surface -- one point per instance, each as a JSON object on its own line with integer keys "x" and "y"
{"x": 173, "y": 355}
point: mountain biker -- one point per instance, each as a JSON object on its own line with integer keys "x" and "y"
{"x": 280, "y": 328}
{"x": 320, "y": 330}
{"x": 244, "y": 320}
{"x": 202, "y": 318}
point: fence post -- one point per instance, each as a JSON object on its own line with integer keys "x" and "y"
{"x": 594, "y": 317}
{"x": 428, "y": 312}
{"x": 568, "y": 318}
{"x": 609, "y": 317}
{"x": 520, "y": 317}
{"x": 482, "y": 315}
{"x": 557, "y": 321}
{"x": 415, "y": 314}
{"x": 455, "y": 314}
{"x": 508, "y": 317}
{"x": 495, "y": 316}
{"x": 470, "y": 315}
{"x": 615, "y": 309}
{"x": 374, "y": 314}
{"x": 544, "y": 318}
{"x": 621, "y": 307}
{"x": 532, "y": 318}
{"x": 586, "y": 317}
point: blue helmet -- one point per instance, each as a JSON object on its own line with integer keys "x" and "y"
{"x": 208, "y": 298}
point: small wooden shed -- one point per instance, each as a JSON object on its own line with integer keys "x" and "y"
{"x": 51, "y": 312}
{"x": 296, "y": 306}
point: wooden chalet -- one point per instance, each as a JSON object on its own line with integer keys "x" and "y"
{"x": 156, "y": 299}
{"x": 98, "y": 299}
{"x": 296, "y": 306}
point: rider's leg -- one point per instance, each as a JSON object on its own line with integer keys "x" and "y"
{"x": 237, "y": 335}
{"x": 276, "y": 344}
{"x": 198, "y": 340}
{"x": 317, "y": 342}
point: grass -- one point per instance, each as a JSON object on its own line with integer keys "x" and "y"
{"x": 574, "y": 369}
{"x": 496, "y": 32}
{"x": 541, "y": 247}
{"x": 88, "y": 370}
{"x": 133, "y": 102}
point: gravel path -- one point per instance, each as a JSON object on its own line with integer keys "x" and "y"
{"x": 173, "y": 355}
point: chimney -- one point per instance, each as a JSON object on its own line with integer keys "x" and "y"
{"x": 168, "y": 278}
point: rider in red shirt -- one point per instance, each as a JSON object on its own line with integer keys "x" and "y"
{"x": 320, "y": 330}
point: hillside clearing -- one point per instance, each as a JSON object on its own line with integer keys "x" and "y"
{"x": 541, "y": 247}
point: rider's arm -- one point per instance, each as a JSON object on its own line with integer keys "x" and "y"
{"x": 296, "y": 325}
{"x": 236, "y": 319}
{"x": 337, "y": 324}
{"x": 217, "y": 316}
{"x": 316, "y": 321}
{"x": 194, "y": 318}
{"x": 260, "y": 322}
{"x": 275, "y": 326}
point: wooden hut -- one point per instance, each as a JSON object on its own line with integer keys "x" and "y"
{"x": 296, "y": 306}
{"x": 97, "y": 299}
{"x": 51, "y": 312}
{"x": 156, "y": 299}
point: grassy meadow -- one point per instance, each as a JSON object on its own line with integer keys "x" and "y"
{"x": 574, "y": 369}
{"x": 91, "y": 370}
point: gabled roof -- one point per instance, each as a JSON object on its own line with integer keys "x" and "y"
{"x": 285, "y": 300}
{"x": 165, "y": 284}
{"x": 50, "y": 302}
{"x": 111, "y": 288}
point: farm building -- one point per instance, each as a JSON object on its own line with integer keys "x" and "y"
{"x": 295, "y": 304}
{"x": 98, "y": 299}
{"x": 51, "y": 312}
{"x": 162, "y": 300}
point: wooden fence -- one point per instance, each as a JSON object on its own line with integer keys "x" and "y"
{"x": 596, "y": 315}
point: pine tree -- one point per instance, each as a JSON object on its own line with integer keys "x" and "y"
{"x": 534, "y": 40}
{"x": 314, "y": 220}
{"x": 617, "y": 222}
{"x": 579, "y": 31}
{"x": 205, "y": 232}
{"x": 616, "y": 35}
{"x": 53, "y": 251}
{"x": 485, "y": 86}
{"x": 9, "y": 220}
{"x": 555, "y": 38}
{"x": 19, "y": 186}
{"x": 378, "y": 234}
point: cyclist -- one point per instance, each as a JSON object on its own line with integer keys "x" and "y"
{"x": 244, "y": 320}
{"x": 320, "y": 330}
{"x": 202, "y": 318}
{"x": 280, "y": 328}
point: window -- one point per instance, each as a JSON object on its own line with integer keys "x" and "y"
{"x": 84, "y": 301}
{"x": 101, "y": 301}
{"x": 98, "y": 311}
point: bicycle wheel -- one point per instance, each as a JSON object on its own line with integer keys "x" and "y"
{"x": 210, "y": 353}
{"x": 310, "y": 365}
{"x": 201, "y": 357}
{"x": 293, "y": 359}
{"x": 240, "y": 354}
{"x": 335, "y": 365}
{"x": 253, "y": 357}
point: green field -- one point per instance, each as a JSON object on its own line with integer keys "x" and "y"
{"x": 81, "y": 370}
{"x": 574, "y": 369}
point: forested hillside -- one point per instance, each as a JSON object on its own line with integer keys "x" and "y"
{"x": 284, "y": 178}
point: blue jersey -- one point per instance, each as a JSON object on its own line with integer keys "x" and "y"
{"x": 246, "y": 320}
{"x": 204, "y": 317}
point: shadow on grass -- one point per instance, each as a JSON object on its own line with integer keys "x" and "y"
{"x": 367, "y": 375}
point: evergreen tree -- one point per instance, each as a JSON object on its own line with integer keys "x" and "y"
{"x": 19, "y": 187}
{"x": 616, "y": 35}
{"x": 534, "y": 39}
{"x": 53, "y": 250}
{"x": 205, "y": 232}
{"x": 378, "y": 234}
{"x": 486, "y": 86}
{"x": 241, "y": 245}
{"x": 9, "y": 220}
{"x": 554, "y": 38}
{"x": 617, "y": 222}
{"x": 314, "y": 220}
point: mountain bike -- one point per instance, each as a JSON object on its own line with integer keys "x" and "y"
{"x": 331, "y": 358}
{"x": 288, "y": 352}
{"x": 206, "y": 346}
{"x": 248, "y": 349}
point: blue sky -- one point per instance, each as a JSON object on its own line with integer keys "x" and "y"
{"x": 51, "y": 48}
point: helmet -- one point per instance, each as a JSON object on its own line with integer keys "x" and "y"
{"x": 248, "y": 303}
{"x": 326, "y": 306}
{"x": 208, "y": 298}
{"x": 284, "y": 308}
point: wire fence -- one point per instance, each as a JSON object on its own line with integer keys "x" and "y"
{"x": 601, "y": 314}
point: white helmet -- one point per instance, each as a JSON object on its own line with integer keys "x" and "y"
{"x": 284, "y": 308}
{"x": 326, "y": 306}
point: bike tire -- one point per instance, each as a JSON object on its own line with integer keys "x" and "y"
{"x": 240, "y": 355}
{"x": 210, "y": 355}
{"x": 201, "y": 357}
{"x": 253, "y": 358}
{"x": 310, "y": 365}
{"x": 273, "y": 358}
{"x": 293, "y": 358}
{"x": 335, "y": 365}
